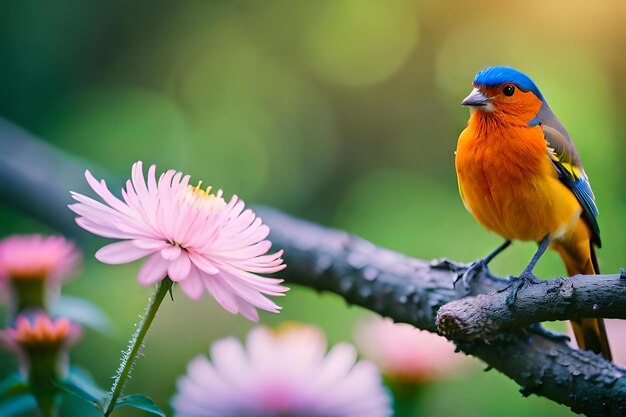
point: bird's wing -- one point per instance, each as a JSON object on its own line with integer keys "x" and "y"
{"x": 570, "y": 171}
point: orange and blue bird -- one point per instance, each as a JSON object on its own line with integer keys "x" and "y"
{"x": 521, "y": 177}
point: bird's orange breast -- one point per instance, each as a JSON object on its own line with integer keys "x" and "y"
{"x": 507, "y": 180}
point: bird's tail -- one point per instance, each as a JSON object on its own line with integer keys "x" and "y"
{"x": 580, "y": 258}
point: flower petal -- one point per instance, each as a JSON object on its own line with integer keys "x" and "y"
{"x": 100, "y": 187}
{"x": 203, "y": 263}
{"x": 154, "y": 244}
{"x": 192, "y": 286}
{"x": 171, "y": 252}
{"x": 153, "y": 270}
{"x": 121, "y": 253}
{"x": 222, "y": 294}
{"x": 179, "y": 268}
{"x": 247, "y": 310}
{"x": 100, "y": 229}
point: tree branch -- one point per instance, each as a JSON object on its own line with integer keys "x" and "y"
{"x": 392, "y": 284}
{"x": 412, "y": 291}
{"x": 407, "y": 289}
{"x": 488, "y": 315}
{"x": 35, "y": 178}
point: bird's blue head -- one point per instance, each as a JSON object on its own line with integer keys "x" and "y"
{"x": 494, "y": 76}
{"x": 508, "y": 93}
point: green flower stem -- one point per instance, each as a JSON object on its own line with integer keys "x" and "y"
{"x": 44, "y": 371}
{"x": 408, "y": 398}
{"x": 28, "y": 294}
{"x": 130, "y": 355}
{"x": 47, "y": 403}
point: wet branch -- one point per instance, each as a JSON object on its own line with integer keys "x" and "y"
{"x": 405, "y": 289}
{"x": 487, "y": 315}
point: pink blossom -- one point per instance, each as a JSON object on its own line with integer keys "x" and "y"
{"x": 36, "y": 339}
{"x": 37, "y": 257}
{"x": 405, "y": 353}
{"x": 194, "y": 237}
{"x": 281, "y": 373}
{"x": 42, "y": 330}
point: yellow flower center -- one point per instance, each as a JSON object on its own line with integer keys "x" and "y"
{"x": 290, "y": 328}
{"x": 198, "y": 190}
{"x": 199, "y": 198}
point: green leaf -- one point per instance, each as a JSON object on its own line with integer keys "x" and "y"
{"x": 17, "y": 405}
{"x": 141, "y": 402}
{"x": 12, "y": 386}
{"x": 79, "y": 383}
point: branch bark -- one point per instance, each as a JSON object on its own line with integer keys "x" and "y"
{"x": 405, "y": 289}
{"x": 487, "y": 315}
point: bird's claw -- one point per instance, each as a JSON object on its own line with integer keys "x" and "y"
{"x": 469, "y": 273}
{"x": 529, "y": 278}
{"x": 526, "y": 278}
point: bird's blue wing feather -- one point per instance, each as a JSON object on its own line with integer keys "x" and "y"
{"x": 571, "y": 173}
{"x": 582, "y": 190}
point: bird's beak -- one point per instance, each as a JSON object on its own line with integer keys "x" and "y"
{"x": 477, "y": 99}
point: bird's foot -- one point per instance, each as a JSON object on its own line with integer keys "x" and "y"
{"x": 526, "y": 278}
{"x": 537, "y": 328}
{"x": 470, "y": 272}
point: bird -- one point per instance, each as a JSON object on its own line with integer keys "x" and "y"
{"x": 521, "y": 177}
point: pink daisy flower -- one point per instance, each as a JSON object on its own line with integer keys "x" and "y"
{"x": 194, "y": 237}
{"x": 37, "y": 257}
{"x": 407, "y": 354}
{"x": 281, "y": 373}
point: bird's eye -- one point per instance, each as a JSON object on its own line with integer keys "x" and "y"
{"x": 508, "y": 90}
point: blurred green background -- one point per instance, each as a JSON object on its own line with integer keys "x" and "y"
{"x": 345, "y": 112}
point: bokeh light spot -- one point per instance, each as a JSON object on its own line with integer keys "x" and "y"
{"x": 120, "y": 126}
{"x": 355, "y": 43}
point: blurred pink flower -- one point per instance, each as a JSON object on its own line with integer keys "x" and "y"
{"x": 37, "y": 339}
{"x": 281, "y": 373}
{"x": 188, "y": 234}
{"x": 404, "y": 353}
{"x": 37, "y": 257}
